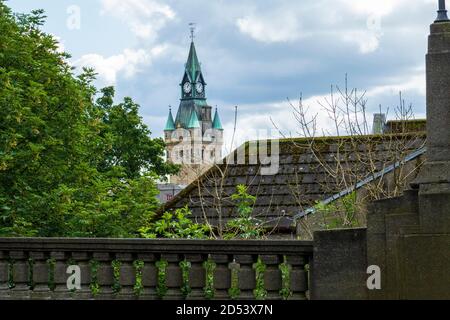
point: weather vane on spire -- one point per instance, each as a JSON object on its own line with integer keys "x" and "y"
{"x": 192, "y": 29}
{"x": 442, "y": 13}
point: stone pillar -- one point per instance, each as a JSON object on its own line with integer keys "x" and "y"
{"x": 104, "y": 275}
{"x": 173, "y": 276}
{"x": 149, "y": 276}
{"x": 41, "y": 289}
{"x": 82, "y": 259}
{"x": 299, "y": 276}
{"x": 272, "y": 276}
{"x": 59, "y": 268}
{"x": 222, "y": 276}
{"x": 20, "y": 274}
{"x": 197, "y": 275}
{"x": 247, "y": 281}
{"x": 408, "y": 238}
{"x": 4, "y": 264}
{"x": 434, "y": 179}
{"x": 438, "y": 94}
{"x": 127, "y": 276}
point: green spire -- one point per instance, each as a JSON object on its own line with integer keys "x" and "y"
{"x": 216, "y": 123}
{"x": 170, "y": 124}
{"x": 193, "y": 65}
{"x": 193, "y": 121}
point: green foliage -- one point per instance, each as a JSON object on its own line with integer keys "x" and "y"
{"x": 11, "y": 283}
{"x": 128, "y": 139}
{"x": 116, "y": 287}
{"x": 94, "y": 286}
{"x": 175, "y": 225}
{"x": 245, "y": 226}
{"x": 209, "y": 291}
{"x": 349, "y": 205}
{"x": 70, "y": 165}
{"x": 179, "y": 224}
{"x": 260, "y": 292}
{"x": 161, "y": 288}
{"x": 138, "y": 286}
{"x": 51, "y": 273}
{"x": 185, "y": 288}
{"x": 285, "y": 269}
{"x": 234, "y": 290}
{"x": 339, "y": 214}
{"x": 113, "y": 207}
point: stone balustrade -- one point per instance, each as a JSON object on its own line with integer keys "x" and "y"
{"x": 39, "y": 268}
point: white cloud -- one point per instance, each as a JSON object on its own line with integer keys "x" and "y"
{"x": 412, "y": 82}
{"x": 373, "y": 7}
{"x": 128, "y": 62}
{"x": 271, "y": 28}
{"x": 287, "y": 22}
{"x": 144, "y": 17}
{"x": 366, "y": 40}
{"x": 279, "y": 116}
{"x": 277, "y": 121}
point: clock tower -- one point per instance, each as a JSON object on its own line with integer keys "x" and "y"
{"x": 195, "y": 138}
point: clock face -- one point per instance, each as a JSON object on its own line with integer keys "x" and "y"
{"x": 199, "y": 87}
{"x": 187, "y": 87}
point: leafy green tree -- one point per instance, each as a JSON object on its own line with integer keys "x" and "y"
{"x": 68, "y": 166}
{"x": 129, "y": 142}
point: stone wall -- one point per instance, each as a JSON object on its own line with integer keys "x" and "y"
{"x": 339, "y": 266}
{"x": 158, "y": 269}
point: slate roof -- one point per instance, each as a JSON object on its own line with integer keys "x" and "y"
{"x": 300, "y": 181}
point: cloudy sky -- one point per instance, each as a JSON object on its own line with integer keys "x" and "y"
{"x": 254, "y": 53}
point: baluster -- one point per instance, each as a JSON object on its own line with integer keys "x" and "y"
{"x": 272, "y": 276}
{"x": 41, "y": 288}
{"x": 149, "y": 276}
{"x": 60, "y": 276}
{"x": 197, "y": 276}
{"x": 247, "y": 281}
{"x": 21, "y": 276}
{"x": 299, "y": 278}
{"x": 4, "y": 265}
{"x": 81, "y": 259}
{"x": 222, "y": 276}
{"x": 234, "y": 291}
{"x": 173, "y": 276}
{"x": 127, "y": 276}
{"x": 104, "y": 275}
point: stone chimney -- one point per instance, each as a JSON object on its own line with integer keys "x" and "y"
{"x": 379, "y": 121}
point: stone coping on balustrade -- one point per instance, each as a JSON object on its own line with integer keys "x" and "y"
{"x": 158, "y": 245}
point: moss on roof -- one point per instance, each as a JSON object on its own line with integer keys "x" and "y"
{"x": 289, "y": 147}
